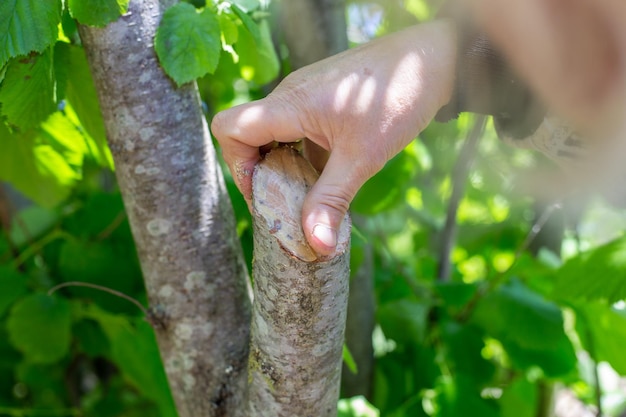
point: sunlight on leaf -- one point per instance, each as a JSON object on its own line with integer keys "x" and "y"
{"x": 27, "y": 26}
{"x": 188, "y": 42}
{"x": 28, "y": 91}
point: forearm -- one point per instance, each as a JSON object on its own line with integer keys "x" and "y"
{"x": 485, "y": 82}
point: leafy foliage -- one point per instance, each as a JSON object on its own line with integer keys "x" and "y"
{"x": 595, "y": 275}
{"x": 27, "y": 26}
{"x": 27, "y": 94}
{"x": 39, "y": 326}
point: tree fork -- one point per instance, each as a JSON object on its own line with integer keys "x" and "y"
{"x": 300, "y": 300}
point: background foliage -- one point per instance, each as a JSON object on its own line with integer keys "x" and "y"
{"x": 512, "y": 325}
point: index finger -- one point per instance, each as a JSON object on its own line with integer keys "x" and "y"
{"x": 241, "y": 130}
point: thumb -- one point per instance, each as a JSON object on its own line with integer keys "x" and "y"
{"x": 327, "y": 203}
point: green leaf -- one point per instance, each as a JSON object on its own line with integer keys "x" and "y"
{"x": 257, "y": 57}
{"x": 461, "y": 397}
{"x": 81, "y": 94}
{"x": 404, "y": 320}
{"x": 349, "y": 360}
{"x": 99, "y": 263}
{"x": 43, "y": 164}
{"x": 134, "y": 350}
{"x": 97, "y": 12}
{"x": 519, "y": 399}
{"x": 188, "y": 42}
{"x": 599, "y": 274}
{"x": 91, "y": 338}
{"x": 529, "y": 328}
{"x": 386, "y": 189}
{"x": 464, "y": 346}
{"x": 520, "y": 315}
{"x": 12, "y": 287}
{"x": 228, "y": 27}
{"x": 247, "y": 5}
{"x": 602, "y": 331}
{"x": 27, "y": 26}
{"x": 28, "y": 90}
{"x": 39, "y": 327}
{"x": 30, "y": 223}
{"x": 356, "y": 407}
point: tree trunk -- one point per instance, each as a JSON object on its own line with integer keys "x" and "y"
{"x": 179, "y": 212}
{"x": 300, "y": 300}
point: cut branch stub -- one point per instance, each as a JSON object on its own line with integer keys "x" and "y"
{"x": 300, "y": 299}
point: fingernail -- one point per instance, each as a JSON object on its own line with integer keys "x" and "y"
{"x": 325, "y": 234}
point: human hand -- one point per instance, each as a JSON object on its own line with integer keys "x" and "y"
{"x": 364, "y": 106}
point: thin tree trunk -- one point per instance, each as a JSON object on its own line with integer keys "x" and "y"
{"x": 180, "y": 214}
{"x": 300, "y": 300}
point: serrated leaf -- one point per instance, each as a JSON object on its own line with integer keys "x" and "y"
{"x": 97, "y": 12}
{"x": 599, "y": 274}
{"x": 257, "y": 57}
{"x": 27, "y": 94}
{"x": 12, "y": 286}
{"x": 385, "y": 190}
{"x": 39, "y": 327}
{"x": 27, "y": 26}
{"x": 43, "y": 164}
{"x": 188, "y": 42}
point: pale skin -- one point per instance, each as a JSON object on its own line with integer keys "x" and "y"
{"x": 365, "y": 105}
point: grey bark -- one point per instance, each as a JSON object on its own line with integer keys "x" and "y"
{"x": 300, "y": 300}
{"x": 180, "y": 214}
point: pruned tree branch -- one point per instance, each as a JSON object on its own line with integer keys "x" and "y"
{"x": 300, "y": 300}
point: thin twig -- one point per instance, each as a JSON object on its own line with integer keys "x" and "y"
{"x": 497, "y": 280}
{"x": 35, "y": 247}
{"x": 101, "y": 288}
{"x": 111, "y": 227}
{"x": 459, "y": 180}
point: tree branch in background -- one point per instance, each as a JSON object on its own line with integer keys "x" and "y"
{"x": 300, "y": 300}
{"x": 179, "y": 212}
{"x": 459, "y": 181}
